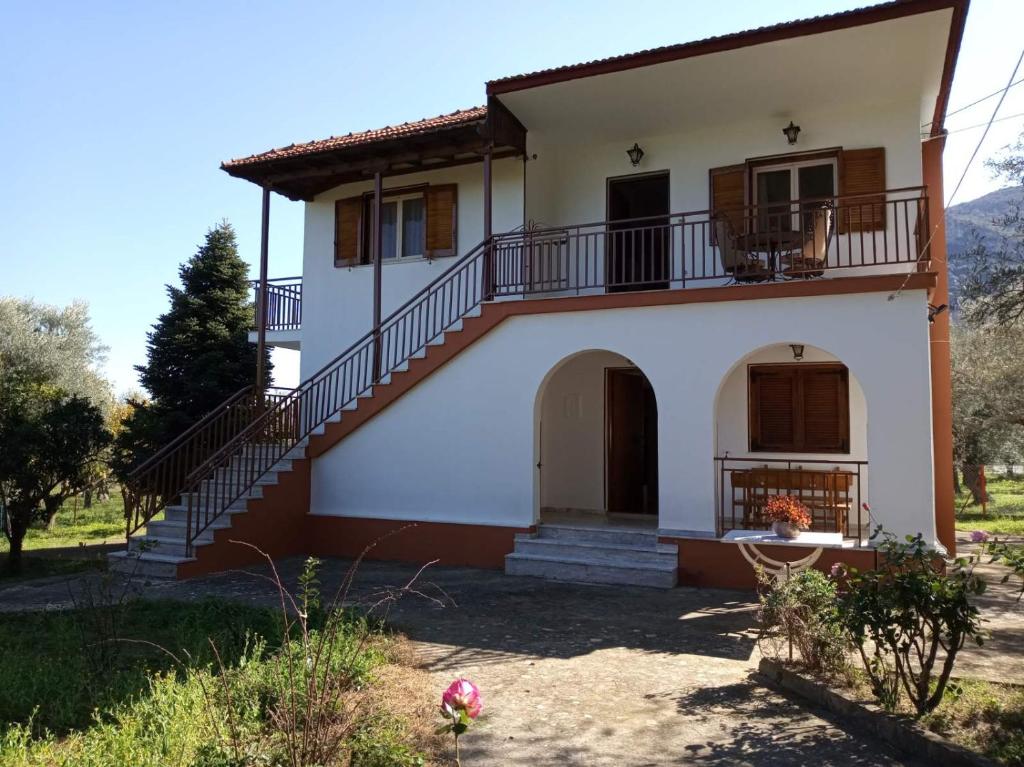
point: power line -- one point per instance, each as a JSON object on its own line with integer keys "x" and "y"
{"x": 973, "y": 127}
{"x": 975, "y": 103}
{"x": 963, "y": 175}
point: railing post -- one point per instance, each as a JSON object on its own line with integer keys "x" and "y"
{"x": 261, "y": 302}
{"x": 378, "y": 232}
{"x": 487, "y": 291}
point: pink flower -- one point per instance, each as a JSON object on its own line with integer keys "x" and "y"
{"x": 866, "y": 506}
{"x": 461, "y": 695}
{"x": 838, "y": 570}
{"x": 979, "y": 536}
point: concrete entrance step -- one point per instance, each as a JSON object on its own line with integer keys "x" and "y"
{"x": 591, "y": 554}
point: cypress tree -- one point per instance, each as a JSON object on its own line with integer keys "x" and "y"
{"x": 198, "y": 353}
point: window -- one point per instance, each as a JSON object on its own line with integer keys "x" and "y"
{"x": 801, "y": 408}
{"x": 403, "y": 227}
{"x": 776, "y": 186}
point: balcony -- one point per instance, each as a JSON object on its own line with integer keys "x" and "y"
{"x": 810, "y": 239}
{"x": 284, "y": 311}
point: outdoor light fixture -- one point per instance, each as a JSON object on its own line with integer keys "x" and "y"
{"x": 636, "y": 154}
{"x": 935, "y": 311}
{"x": 798, "y": 351}
{"x": 791, "y": 131}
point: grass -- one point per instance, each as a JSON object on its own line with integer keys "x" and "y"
{"x": 74, "y": 528}
{"x": 67, "y": 697}
{"x": 984, "y": 717}
{"x": 1005, "y": 512}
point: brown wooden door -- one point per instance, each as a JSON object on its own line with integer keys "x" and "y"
{"x": 632, "y": 442}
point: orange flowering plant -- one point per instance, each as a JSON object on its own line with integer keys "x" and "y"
{"x": 786, "y": 508}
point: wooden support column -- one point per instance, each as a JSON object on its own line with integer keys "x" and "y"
{"x": 938, "y": 330}
{"x": 488, "y": 271}
{"x": 378, "y": 233}
{"x": 261, "y": 299}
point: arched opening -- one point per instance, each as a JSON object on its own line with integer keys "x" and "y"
{"x": 792, "y": 419}
{"x": 597, "y": 441}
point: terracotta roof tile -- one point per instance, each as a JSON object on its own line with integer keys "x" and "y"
{"x": 427, "y": 125}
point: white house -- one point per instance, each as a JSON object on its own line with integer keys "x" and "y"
{"x": 587, "y": 330}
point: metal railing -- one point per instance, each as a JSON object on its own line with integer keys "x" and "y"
{"x": 802, "y": 239}
{"x": 284, "y": 303}
{"x": 832, "y": 490}
{"x": 158, "y": 481}
{"x": 280, "y": 428}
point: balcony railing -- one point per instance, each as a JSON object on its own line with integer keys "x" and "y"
{"x": 803, "y": 239}
{"x": 284, "y": 303}
{"x": 832, "y": 491}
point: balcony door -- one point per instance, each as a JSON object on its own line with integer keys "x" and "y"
{"x": 777, "y": 186}
{"x": 638, "y": 235}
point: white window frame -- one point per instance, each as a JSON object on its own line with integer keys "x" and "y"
{"x": 794, "y": 176}
{"x": 399, "y": 199}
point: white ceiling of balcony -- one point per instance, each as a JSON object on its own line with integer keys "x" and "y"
{"x": 875, "y": 64}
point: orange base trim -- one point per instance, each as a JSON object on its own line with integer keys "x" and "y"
{"x": 275, "y": 523}
{"x": 713, "y": 564}
{"x": 482, "y": 546}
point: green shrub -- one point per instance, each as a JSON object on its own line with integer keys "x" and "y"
{"x": 909, "y": 619}
{"x": 802, "y": 613}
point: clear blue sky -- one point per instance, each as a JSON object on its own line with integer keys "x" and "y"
{"x": 115, "y": 116}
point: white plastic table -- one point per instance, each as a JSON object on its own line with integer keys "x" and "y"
{"x": 749, "y": 540}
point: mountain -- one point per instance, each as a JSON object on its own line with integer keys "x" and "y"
{"x": 974, "y": 221}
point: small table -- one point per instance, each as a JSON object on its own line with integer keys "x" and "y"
{"x": 771, "y": 244}
{"x": 749, "y": 540}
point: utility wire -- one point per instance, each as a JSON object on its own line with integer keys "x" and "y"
{"x": 963, "y": 175}
{"x": 975, "y": 103}
{"x": 971, "y": 127}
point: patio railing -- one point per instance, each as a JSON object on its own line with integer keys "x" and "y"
{"x": 853, "y": 234}
{"x": 833, "y": 492}
{"x": 284, "y": 303}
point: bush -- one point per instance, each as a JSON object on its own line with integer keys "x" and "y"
{"x": 802, "y": 613}
{"x": 909, "y": 619}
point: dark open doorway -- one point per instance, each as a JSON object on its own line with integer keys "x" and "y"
{"x": 631, "y": 429}
{"x": 638, "y": 246}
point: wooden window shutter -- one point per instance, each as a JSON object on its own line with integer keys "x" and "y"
{"x": 442, "y": 220}
{"x": 826, "y": 410}
{"x": 773, "y": 408}
{"x": 862, "y": 172}
{"x": 729, "y": 194}
{"x": 799, "y": 408}
{"x": 348, "y": 237}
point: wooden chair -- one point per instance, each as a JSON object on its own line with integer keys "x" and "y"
{"x": 737, "y": 263}
{"x": 825, "y": 493}
{"x": 810, "y": 261}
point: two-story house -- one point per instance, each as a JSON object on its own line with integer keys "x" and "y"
{"x": 587, "y": 330}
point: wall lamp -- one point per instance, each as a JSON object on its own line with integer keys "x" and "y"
{"x": 935, "y": 311}
{"x": 798, "y": 351}
{"x": 791, "y": 131}
{"x": 636, "y": 154}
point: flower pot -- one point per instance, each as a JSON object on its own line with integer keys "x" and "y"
{"x": 785, "y": 529}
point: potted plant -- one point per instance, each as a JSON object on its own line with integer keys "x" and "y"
{"x": 787, "y": 515}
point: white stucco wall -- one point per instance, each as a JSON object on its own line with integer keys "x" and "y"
{"x": 337, "y": 303}
{"x": 462, "y": 446}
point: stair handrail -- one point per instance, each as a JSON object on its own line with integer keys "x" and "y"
{"x": 274, "y": 433}
{"x": 150, "y": 486}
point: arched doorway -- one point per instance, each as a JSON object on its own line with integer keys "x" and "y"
{"x": 597, "y": 439}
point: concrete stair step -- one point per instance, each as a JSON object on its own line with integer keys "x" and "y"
{"x": 176, "y": 529}
{"x": 164, "y": 545}
{"x": 145, "y": 565}
{"x": 597, "y": 551}
{"x": 619, "y": 536}
{"x": 585, "y": 570}
{"x": 179, "y": 514}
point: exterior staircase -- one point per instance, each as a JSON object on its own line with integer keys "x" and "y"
{"x": 588, "y": 554}
{"x": 163, "y": 547}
